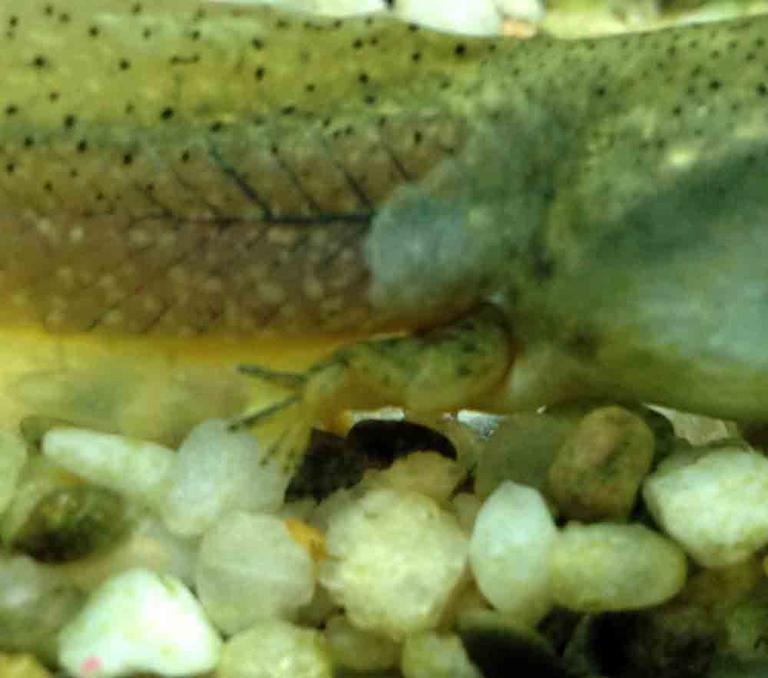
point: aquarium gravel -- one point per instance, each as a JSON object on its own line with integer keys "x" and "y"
{"x": 407, "y": 572}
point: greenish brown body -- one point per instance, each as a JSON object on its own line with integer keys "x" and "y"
{"x": 177, "y": 170}
{"x": 185, "y": 169}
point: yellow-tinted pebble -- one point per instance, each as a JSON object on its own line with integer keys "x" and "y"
{"x": 312, "y": 539}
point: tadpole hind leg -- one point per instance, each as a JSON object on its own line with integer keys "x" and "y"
{"x": 439, "y": 370}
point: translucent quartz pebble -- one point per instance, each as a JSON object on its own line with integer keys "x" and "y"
{"x": 139, "y": 621}
{"x": 395, "y": 559}
{"x": 135, "y": 468}
{"x": 250, "y": 569}
{"x": 432, "y": 655}
{"x": 359, "y": 650}
{"x": 428, "y": 473}
{"x": 479, "y": 17}
{"x": 72, "y": 522}
{"x": 510, "y": 551}
{"x": 34, "y": 603}
{"x": 216, "y": 471}
{"x": 606, "y": 567}
{"x": 714, "y": 503}
{"x": 149, "y": 545}
{"x": 13, "y": 455}
{"x": 38, "y": 478}
{"x": 521, "y": 449}
{"x": 275, "y": 649}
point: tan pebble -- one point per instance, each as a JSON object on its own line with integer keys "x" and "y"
{"x": 598, "y": 470}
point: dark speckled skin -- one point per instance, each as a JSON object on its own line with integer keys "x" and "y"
{"x": 204, "y": 170}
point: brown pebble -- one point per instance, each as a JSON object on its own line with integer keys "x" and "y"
{"x": 598, "y": 469}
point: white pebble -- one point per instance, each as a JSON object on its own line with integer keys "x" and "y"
{"x": 13, "y": 455}
{"x": 357, "y": 649}
{"x": 432, "y": 655}
{"x": 250, "y": 569}
{"x": 275, "y": 649}
{"x": 478, "y": 17}
{"x": 608, "y": 567}
{"x": 395, "y": 559}
{"x": 528, "y": 10}
{"x": 135, "y": 468}
{"x": 510, "y": 551}
{"x": 428, "y": 473}
{"x": 139, "y": 621}
{"x": 714, "y": 504}
{"x": 217, "y": 471}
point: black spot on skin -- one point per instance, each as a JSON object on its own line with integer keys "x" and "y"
{"x": 180, "y": 60}
{"x": 136, "y": 8}
{"x": 677, "y": 111}
{"x": 28, "y": 142}
{"x": 166, "y": 113}
{"x": 288, "y": 110}
{"x": 257, "y": 44}
{"x": 146, "y": 33}
{"x": 48, "y": 10}
{"x": 416, "y": 57}
{"x": 363, "y": 78}
{"x": 185, "y": 156}
{"x": 762, "y": 89}
{"x": 40, "y": 61}
{"x": 53, "y": 96}
{"x": 600, "y": 91}
{"x": 129, "y": 108}
{"x": 216, "y": 127}
{"x": 310, "y": 87}
{"x": 13, "y": 21}
{"x": 542, "y": 266}
{"x": 47, "y": 186}
{"x": 128, "y": 159}
{"x": 460, "y": 49}
{"x": 82, "y": 146}
{"x": 64, "y": 18}
{"x": 124, "y": 64}
{"x": 195, "y": 35}
{"x": 369, "y": 99}
{"x": 69, "y": 121}
{"x": 715, "y": 85}
{"x": 94, "y": 31}
{"x": 582, "y": 344}
{"x": 357, "y": 44}
{"x": 10, "y": 168}
{"x": 417, "y": 137}
{"x": 11, "y": 109}
{"x": 260, "y": 72}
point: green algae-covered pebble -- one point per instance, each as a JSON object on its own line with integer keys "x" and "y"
{"x": 72, "y": 522}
